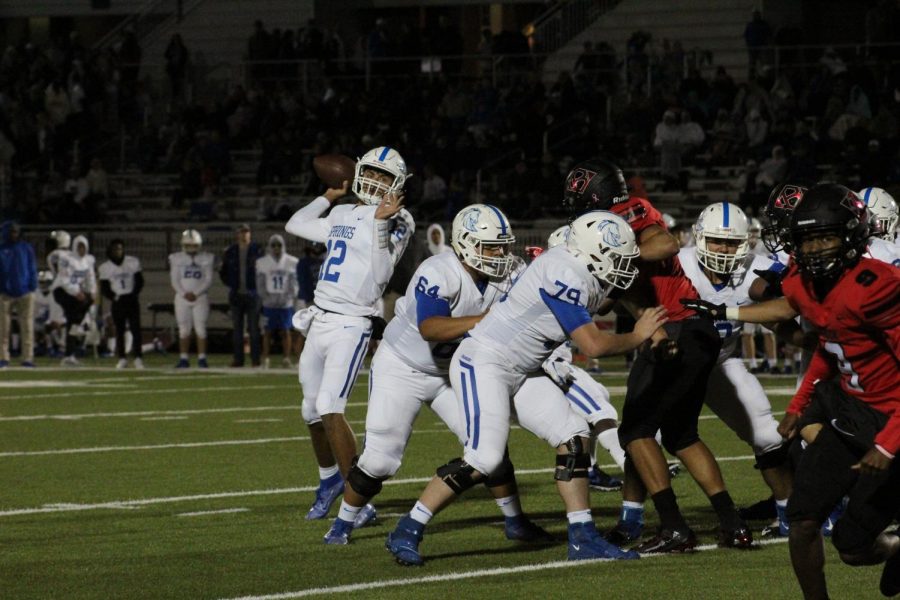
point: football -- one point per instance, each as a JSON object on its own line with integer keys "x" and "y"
{"x": 334, "y": 169}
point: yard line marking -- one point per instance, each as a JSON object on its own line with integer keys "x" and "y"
{"x": 151, "y": 391}
{"x": 55, "y": 383}
{"x": 201, "y": 513}
{"x": 169, "y": 418}
{"x": 458, "y": 575}
{"x": 114, "y": 504}
{"x": 150, "y": 413}
{"x": 258, "y": 420}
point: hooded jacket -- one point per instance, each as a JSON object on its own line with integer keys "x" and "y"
{"x": 276, "y": 280}
{"x": 76, "y": 273}
{"x": 18, "y": 265}
{"x": 440, "y": 246}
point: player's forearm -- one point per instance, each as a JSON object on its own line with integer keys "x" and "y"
{"x": 819, "y": 369}
{"x": 609, "y": 344}
{"x": 778, "y": 309}
{"x": 658, "y": 246}
{"x": 305, "y": 223}
{"x": 382, "y": 261}
{"x": 447, "y": 329}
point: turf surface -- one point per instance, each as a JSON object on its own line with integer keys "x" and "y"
{"x": 164, "y": 484}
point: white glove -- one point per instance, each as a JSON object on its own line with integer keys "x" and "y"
{"x": 302, "y": 320}
{"x": 559, "y": 371}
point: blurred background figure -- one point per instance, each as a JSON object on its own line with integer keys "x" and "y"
{"x": 121, "y": 281}
{"x": 276, "y": 281}
{"x": 18, "y": 282}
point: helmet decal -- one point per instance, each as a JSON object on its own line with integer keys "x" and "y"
{"x": 470, "y": 220}
{"x": 610, "y": 233}
{"x": 579, "y": 179}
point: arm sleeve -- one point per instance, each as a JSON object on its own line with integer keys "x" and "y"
{"x": 570, "y": 316}
{"x": 889, "y": 437}
{"x": 174, "y": 277}
{"x": 430, "y": 306}
{"x": 207, "y": 279}
{"x": 880, "y": 310}
{"x": 382, "y": 259}
{"x": 305, "y": 223}
{"x": 820, "y": 368}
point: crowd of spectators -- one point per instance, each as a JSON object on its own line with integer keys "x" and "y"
{"x": 462, "y": 129}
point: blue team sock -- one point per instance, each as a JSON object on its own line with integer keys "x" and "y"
{"x": 632, "y": 512}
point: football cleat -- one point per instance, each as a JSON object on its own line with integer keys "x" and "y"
{"x": 603, "y": 481}
{"x": 669, "y": 541}
{"x": 339, "y": 534}
{"x": 28, "y": 364}
{"x": 890, "y": 577}
{"x": 329, "y": 491}
{"x": 828, "y": 525}
{"x": 4, "y": 364}
{"x": 201, "y": 363}
{"x": 624, "y": 532}
{"x": 762, "y": 510}
{"x": 138, "y": 363}
{"x": 366, "y": 516}
{"x": 674, "y": 470}
{"x": 404, "y": 541}
{"x": 522, "y": 529}
{"x": 70, "y": 361}
{"x": 183, "y": 364}
{"x": 776, "y": 528}
{"x": 121, "y": 363}
{"x": 739, "y": 538}
{"x": 585, "y": 543}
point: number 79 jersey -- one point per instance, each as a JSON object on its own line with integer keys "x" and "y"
{"x": 553, "y": 297}
{"x": 441, "y": 286}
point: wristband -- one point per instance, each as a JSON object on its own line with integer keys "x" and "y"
{"x": 883, "y": 451}
{"x": 732, "y": 312}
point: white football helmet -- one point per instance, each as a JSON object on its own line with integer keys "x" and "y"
{"x": 884, "y": 211}
{"x": 384, "y": 159}
{"x": 191, "y": 240}
{"x": 558, "y": 237}
{"x": 669, "y": 220}
{"x": 606, "y": 244}
{"x": 755, "y": 231}
{"x": 63, "y": 239}
{"x": 479, "y": 226}
{"x": 727, "y": 221}
{"x": 45, "y": 278}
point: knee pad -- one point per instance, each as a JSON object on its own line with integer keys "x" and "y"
{"x": 772, "y": 458}
{"x": 363, "y": 483}
{"x": 377, "y": 463}
{"x": 309, "y": 413}
{"x": 457, "y": 474}
{"x": 503, "y": 475}
{"x": 575, "y": 463}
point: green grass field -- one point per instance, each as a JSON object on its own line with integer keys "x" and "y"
{"x": 161, "y": 484}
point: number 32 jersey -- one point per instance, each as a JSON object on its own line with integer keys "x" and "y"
{"x": 441, "y": 286}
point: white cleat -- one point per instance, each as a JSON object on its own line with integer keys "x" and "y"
{"x": 122, "y": 363}
{"x": 70, "y": 361}
{"x": 138, "y": 363}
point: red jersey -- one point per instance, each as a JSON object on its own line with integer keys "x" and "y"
{"x": 664, "y": 281}
{"x": 859, "y": 337}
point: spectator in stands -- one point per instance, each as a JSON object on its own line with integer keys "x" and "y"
{"x": 773, "y": 170}
{"x": 435, "y": 238}
{"x": 97, "y": 182}
{"x": 757, "y": 34}
{"x": 238, "y": 272}
{"x": 177, "y": 59}
{"x": 18, "y": 282}
{"x": 756, "y": 130}
{"x": 670, "y": 142}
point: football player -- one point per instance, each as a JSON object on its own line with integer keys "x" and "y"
{"x": 121, "y": 281}
{"x": 364, "y": 241}
{"x": 75, "y": 290}
{"x": 43, "y": 325}
{"x": 61, "y": 242}
{"x": 276, "y": 280}
{"x": 191, "y": 275}
{"x": 884, "y": 214}
{"x": 667, "y": 383}
{"x": 851, "y": 426}
{"x": 447, "y": 295}
{"x": 552, "y": 301}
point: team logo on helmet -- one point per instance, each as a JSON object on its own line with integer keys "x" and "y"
{"x": 578, "y": 180}
{"x": 609, "y": 232}
{"x": 470, "y": 221}
{"x": 853, "y": 202}
{"x": 789, "y": 197}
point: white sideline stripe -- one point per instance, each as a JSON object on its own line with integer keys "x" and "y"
{"x": 201, "y": 513}
{"x": 477, "y": 573}
{"x": 150, "y": 413}
{"x": 258, "y": 420}
{"x": 170, "y": 418}
{"x": 145, "y": 392}
{"x": 118, "y": 504}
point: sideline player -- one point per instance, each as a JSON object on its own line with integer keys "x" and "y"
{"x": 852, "y": 428}
{"x": 447, "y": 295}
{"x": 552, "y": 300}
{"x": 121, "y": 281}
{"x": 667, "y": 383}
{"x": 276, "y": 282}
{"x": 365, "y": 240}
{"x": 75, "y": 290}
{"x": 191, "y": 275}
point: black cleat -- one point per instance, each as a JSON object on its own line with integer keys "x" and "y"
{"x": 739, "y": 538}
{"x": 890, "y": 577}
{"x": 669, "y": 541}
{"x": 764, "y": 510}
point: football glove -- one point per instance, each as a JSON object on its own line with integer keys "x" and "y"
{"x": 774, "y": 279}
{"x": 704, "y": 308}
{"x": 666, "y": 349}
{"x": 378, "y": 325}
{"x": 560, "y": 371}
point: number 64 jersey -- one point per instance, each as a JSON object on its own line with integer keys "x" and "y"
{"x": 441, "y": 286}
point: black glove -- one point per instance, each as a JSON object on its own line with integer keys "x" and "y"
{"x": 665, "y": 350}
{"x": 774, "y": 279}
{"x": 704, "y": 308}
{"x": 378, "y": 325}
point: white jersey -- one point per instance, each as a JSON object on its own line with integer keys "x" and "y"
{"x": 760, "y": 250}
{"x": 523, "y": 328}
{"x": 120, "y": 277}
{"x": 54, "y": 257}
{"x": 885, "y": 251}
{"x": 76, "y": 274}
{"x": 191, "y": 273}
{"x": 736, "y": 292}
{"x": 277, "y": 280}
{"x": 361, "y": 253}
{"x": 440, "y": 279}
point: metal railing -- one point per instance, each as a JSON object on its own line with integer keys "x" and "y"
{"x": 565, "y": 20}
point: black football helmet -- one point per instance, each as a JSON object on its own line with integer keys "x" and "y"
{"x": 829, "y": 209}
{"x": 594, "y": 184}
{"x": 781, "y": 203}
